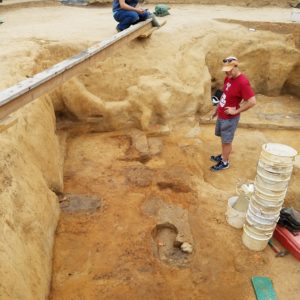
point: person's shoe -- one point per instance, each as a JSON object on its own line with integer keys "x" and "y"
{"x": 216, "y": 158}
{"x": 117, "y": 28}
{"x": 154, "y": 22}
{"x": 219, "y": 166}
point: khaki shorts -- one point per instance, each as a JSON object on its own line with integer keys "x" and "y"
{"x": 226, "y": 129}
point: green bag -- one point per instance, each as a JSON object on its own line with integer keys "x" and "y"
{"x": 161, "y": 10}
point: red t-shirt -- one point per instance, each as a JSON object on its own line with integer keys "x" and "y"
{"x": 234, "y": 91}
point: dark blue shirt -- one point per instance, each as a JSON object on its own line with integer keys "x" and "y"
{"x": 116, "y": 4}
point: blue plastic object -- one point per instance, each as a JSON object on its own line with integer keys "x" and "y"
{"x": 263, "y": 288}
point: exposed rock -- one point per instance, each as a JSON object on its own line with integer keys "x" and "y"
{"x": 186, "y": 247}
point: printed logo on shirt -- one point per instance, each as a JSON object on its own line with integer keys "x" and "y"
{"x": 228, "y": 85}
{"x": 223, "y": 100}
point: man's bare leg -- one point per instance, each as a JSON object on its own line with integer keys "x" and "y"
{"x": 226, "y": 150}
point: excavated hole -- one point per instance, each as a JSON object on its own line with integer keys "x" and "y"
{"x": 123, "y": 166}
{"x": 122, "y": 246}
{"x": 109, "y": 255}
{"x": 166, "y": 248}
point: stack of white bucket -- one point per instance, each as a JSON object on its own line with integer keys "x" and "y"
{"x": 274, "y": 171}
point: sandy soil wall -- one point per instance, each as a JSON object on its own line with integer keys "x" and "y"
{"x": 175, "y": 80}
{"x": 30, "y": 170}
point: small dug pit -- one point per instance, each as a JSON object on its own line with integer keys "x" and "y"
{"x": 167, "y": 248}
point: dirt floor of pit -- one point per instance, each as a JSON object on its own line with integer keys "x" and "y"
{"x": 111, "y": 253}
{"x": 129, "y": 195}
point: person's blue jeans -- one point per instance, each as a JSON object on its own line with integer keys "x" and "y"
{"x": 128, "y": 17}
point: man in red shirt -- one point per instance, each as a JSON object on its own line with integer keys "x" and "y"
{"x": 236, "y": 89}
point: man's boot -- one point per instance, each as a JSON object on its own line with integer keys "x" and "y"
{"x": 154, "y": 21}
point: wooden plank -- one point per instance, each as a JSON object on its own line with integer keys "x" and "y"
{"x": 28, "y": 90}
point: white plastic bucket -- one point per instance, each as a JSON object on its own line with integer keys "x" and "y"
{"x": 259, "y": 219}
{"x": 273, "y": 167}
{"x": 270, "y": 205}
{"x": 278, "y": 153}
{"x": 267, "y": 160}
{"x": 269, "y": 195}
{"x": 266, "y": 228}
{"x": 260, "y": 223}
{"x": 254, "y": 242}
{"x": 259, "y": 232}
{"x": 234, "y": 217}
{"x": 261, "y": 214}
{"x": 272, "y": 175}
{"x": 259, "y": 227}
{"x": 272, "y": 185}
{"x": 264, "y": 209}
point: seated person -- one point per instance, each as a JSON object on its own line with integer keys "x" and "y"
{"x": 128, "y": 12}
